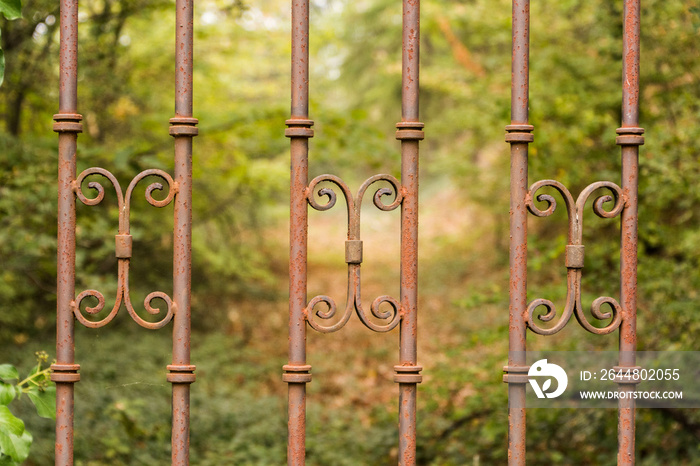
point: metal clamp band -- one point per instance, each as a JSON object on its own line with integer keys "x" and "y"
{"x": 183, "y": 126}
{"x": 181, "y": 373}
{"x": 296, "y": 374}
{"x": 515, "y": 374}
{"x": 353, "y": 251}
{"x": 574, "y": 256}
{"x": 408, "y": 374}
{"x": 520, "y": 133}
{"x": 66, "y": 373}
{"x": 68, "y": 123}
{"x": 410, "y": 130}
{"x": 123, "y": 244}
{"x": 630, "y": 136}
{"x": 299, "y": 128}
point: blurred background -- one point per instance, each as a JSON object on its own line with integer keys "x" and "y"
{"x": 240, "y": 233}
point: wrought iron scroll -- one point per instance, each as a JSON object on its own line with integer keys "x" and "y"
{"x": 618, "y": 200}
{"x": 353, "y": 256}
{"x": 177, "y": 190}
{"x": 123, "y": 249}
{"x": 403, "y": 193}
{"x": 575, "y": 257}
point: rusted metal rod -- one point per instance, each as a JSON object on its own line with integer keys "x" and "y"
{"x": 297, "y": 373}
{"x": 409, "y": 132}
{"x": 630, "y": 137}
{"x": 519, "y": 135}
{"x": 67, "y": 125}
{"x": 183, "y": 127}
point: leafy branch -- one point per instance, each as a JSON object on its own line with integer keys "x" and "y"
{"x": 15, "y": 440}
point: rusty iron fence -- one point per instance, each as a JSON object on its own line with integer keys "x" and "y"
{"x": 177, "y": 192}
{"x": 622, "y": 314}
{"x": 404, "y": 194}
{"x": 321, "y": 312}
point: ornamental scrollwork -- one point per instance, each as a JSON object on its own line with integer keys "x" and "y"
{"x": 353, "y": 254}
{"x": 123, "y": 246}
{"x": 575, "y": 256}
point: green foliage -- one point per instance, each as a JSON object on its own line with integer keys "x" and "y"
{"x": 27, "y": 231}
{"x": 15, "y": 440}
{"x": 10, "y": 9}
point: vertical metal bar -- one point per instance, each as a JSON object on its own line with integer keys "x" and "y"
{"x": 297, "y": 372}
{"x": 410, "y": 60}
{"x": 630, "y": 63}
{"x": 630, "y": 137}
{"x": 67, "y": 124}
{"x": 183, "y": 128}
{"x": 519, "y": 136}
{"x": 68, "y": 92}
{"x": 409, "y": 133}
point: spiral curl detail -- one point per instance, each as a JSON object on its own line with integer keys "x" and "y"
{"x": 328, "y": 193}
{"x": 550, "y": 200}
{"x": 96, "y": 186}
{"x": 394, "y": 190}
{"x": 148, "y": 305}
{"x": 393, "y": 316}
{"x": 547, "y": 304}
{"x": 548, "y": 316}
{"x": 329, "y": 314}
{"x": 93, "y": 310}
{"x": 153, "y": 187}
{"x": 615, "y": 314}
{"x": 598, "y": 203}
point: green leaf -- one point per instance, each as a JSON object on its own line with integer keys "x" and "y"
{"x": 7, "y": 461}
{"x": 45, "y": 401}
{"x": 8, "y": 371}
{"x": 7, "y": 393}
{"x": 9, "y": 423}
{"x": 16, "y": 446}
{"x": 12, "y": 9}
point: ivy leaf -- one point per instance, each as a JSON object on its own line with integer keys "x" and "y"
{"x": 9, "y": 423}
{"x": 8, "y": 371}
{"x": 16, "y": 446}
{"x": 12, "y": 9}
{"x": 44, "y": 401}
{"x": 7, "y": 393}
